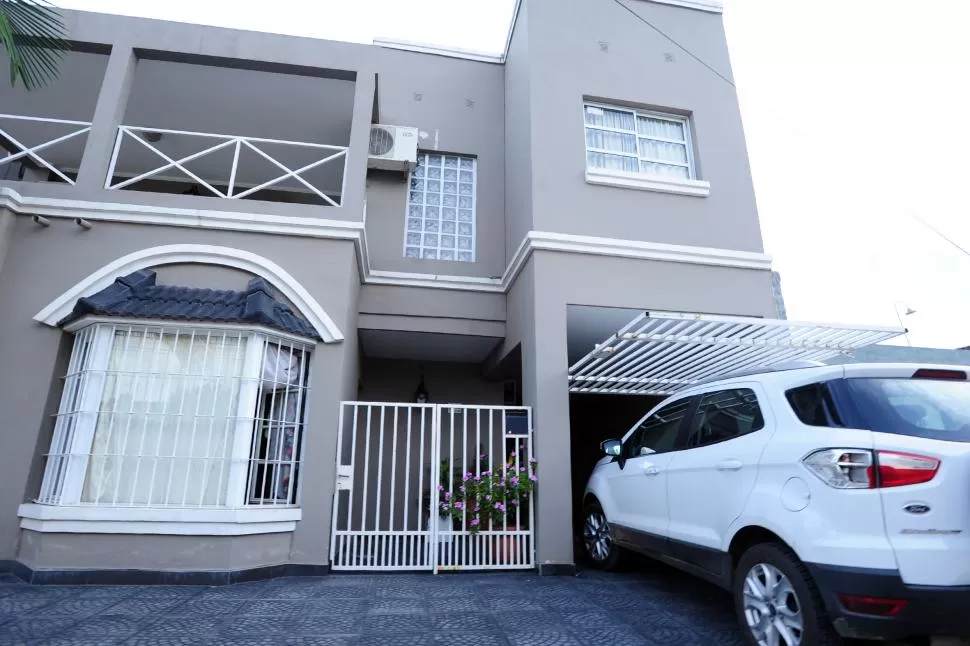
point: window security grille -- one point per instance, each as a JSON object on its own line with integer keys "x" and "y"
{"x": 156, "y": 416}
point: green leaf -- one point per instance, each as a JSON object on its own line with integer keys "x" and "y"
{"x": 34, "y": 37}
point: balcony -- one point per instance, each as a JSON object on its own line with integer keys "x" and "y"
{"x": 43, "y": 133}
{"x": 229, "y": 131}
{"x": 230, "y": 167}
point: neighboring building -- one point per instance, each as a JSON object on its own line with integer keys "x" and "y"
{"x": 779, "y": 297}
{"x": 904, "y": 354}
{"x": 201, "y": 267}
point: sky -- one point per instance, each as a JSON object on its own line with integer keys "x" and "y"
{"x": 854, "y": 116}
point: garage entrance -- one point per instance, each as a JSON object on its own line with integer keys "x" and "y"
{"x": 616, "y": 378}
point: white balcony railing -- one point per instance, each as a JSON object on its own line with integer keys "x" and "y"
{"x": 237, "y": 144}
{"x": 22, "y": 150}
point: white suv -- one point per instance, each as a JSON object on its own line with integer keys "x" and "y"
{"x": 831, "y": 500}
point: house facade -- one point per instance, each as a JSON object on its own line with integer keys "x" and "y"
{"x": 204, "y": 273}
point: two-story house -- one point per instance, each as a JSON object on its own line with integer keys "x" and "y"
{"x": 262, "y": 298}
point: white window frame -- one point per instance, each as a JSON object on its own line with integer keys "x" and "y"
{"x": 59, "y": 508}
{"x": 474, "y": 211}
{"x": 641, "y": 180}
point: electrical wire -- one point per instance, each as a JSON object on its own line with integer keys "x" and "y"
{"x": 727, "y": 80}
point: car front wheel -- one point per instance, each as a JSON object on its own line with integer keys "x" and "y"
{"x": 598, "y": 539}
{"x": 777, "y": 602}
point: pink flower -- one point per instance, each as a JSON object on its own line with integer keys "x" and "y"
{"x": 513, "y": 502}
{"x": 447, "y": 495}
{"x": 533, "y": 478}
{"x": 514, "y": 481}
{"x": 458, "y": 504}
{"x": 441, "y": 488}
{"x": 522, "y": 470}
{"x": 500, "y": 506}
{"x": 461, "y": 489}
{"x": 488, "y": 497}
{"x": 474, "y": 522}
{"x": 486, "y": 473}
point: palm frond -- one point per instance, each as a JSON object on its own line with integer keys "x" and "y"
{"x": 34, "y": 36}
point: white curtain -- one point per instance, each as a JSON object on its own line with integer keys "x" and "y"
{"x": 164, "y": 430}
{"x": 281, "y": 381}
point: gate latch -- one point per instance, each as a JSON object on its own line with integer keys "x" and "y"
{"x": 345, "y": 477}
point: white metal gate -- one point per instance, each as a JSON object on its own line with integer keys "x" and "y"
{"x": 395, "y": 464}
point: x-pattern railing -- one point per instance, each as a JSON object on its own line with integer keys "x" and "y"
{"x": 225, "y": 141}
{"x": 31, "y": 152}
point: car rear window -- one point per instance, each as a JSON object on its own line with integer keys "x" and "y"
{"x": 936, "y": 409}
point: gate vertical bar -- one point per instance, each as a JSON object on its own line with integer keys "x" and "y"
{"x": 431, "y": 548}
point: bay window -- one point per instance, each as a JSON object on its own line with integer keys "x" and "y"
{"x": 173, "y": 416}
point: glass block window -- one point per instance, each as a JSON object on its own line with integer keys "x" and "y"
{"x": 441, "y": 208}
{"x": 638, "y": 142}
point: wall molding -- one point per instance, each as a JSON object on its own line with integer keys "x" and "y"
{"x": 643, "y": 182}
{"x": 176, "y": 522}
{"x": 247, "y": 261}
{"x": 333, "y": 230}
{"x": 710, "y": 6}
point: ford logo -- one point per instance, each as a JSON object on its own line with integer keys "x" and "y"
{"x": 916, "y": 508}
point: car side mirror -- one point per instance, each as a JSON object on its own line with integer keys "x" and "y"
{"x": 612, "y": 448}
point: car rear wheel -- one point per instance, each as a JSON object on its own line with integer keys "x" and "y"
{"x": 598, "y": 539}
{"x": 777, "y": 602}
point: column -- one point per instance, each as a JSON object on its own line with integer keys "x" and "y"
{"x": 108, "y": 115}
{"x": 545, "y": 387}
{"x": 355, "y": 174}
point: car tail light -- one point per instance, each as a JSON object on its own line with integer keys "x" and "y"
{"x": 842, "y": 468}
{"x": 872, "y": 605}
{"x": 900, "y": 469}
{"x": 938, "y": 373}
{"x": 862, "y": 469}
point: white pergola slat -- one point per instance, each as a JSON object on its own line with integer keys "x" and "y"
{"x": 659, "y": 353}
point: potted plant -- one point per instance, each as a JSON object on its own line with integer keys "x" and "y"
{"x": 488, "y": 500}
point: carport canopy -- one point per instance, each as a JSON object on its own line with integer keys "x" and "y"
{"x": 659, "y": 353}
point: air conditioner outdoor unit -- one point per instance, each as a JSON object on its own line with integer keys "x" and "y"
{"x": 393, "y": 147}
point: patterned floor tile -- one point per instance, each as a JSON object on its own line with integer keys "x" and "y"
{"x": 328, "y": 606}
{"x": 653, "y": 607}
{"x": 23, "y": 630}
{"x": 398, "y": 605}
{"x": 175, "y": 627}
{"x": 396, "y": 623}
{"x": 543, "y": 638}
{"x": 205, "y": 607}
{"x": 323, "y": 625}
{"x": 464, "y": 622}
{"x": 470, "y": 639}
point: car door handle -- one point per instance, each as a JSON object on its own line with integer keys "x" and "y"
{"x": 729, "y": 465}
{"x": 650, "y": 470}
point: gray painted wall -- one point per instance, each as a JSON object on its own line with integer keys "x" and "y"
{"x": 42, "y": 263}
{"x": 537, "y": 320}
{"x": 567, "y": 63}
{"x": 518, "y": 135}
{"x": 176, "y": 553}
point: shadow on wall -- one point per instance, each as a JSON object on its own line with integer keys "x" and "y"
{"x": 592, "y": 419}
{"x": 395, "y": 380}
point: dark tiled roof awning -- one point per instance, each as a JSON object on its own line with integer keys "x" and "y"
{"x": 136, "y": 296}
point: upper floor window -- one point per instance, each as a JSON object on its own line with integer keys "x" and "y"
{"x": 178, "y": 416}
{"x": 441, "y": 208}
{"x": 634, "y": 141}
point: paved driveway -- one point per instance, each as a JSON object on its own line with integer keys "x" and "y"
{"x": 652, "y": 607}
